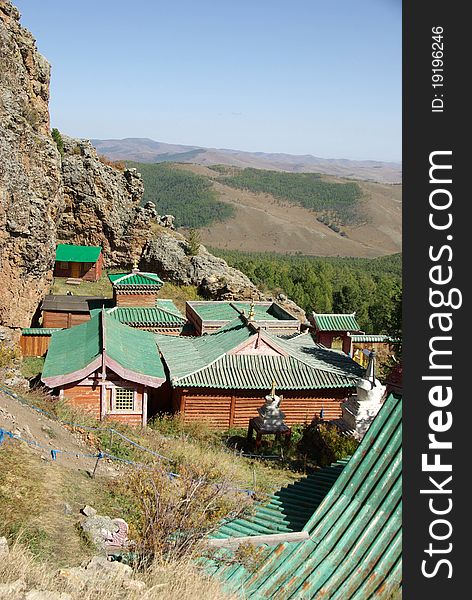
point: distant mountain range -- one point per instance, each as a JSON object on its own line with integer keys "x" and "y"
{"x": 150, "y": 151}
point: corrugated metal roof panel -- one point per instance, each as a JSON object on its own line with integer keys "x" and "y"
{"x": 372, "y": 338}
{"x": 248, "y": 371}
{"x": 354, "y": 550}
{"x": 334, "y": 322}
{"x": 71, "y": 253}
{"x": 302, "y": 364}
{"x": 145, "y": 316}
{"x": 289, "y": 508}
{"x": 135, "y": 279}
{"x": 40, "y": 330}
{"x": 72, "y": 350}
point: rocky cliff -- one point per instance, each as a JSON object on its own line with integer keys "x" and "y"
{"x": 72, "y": 196}
{"x": 31, "y": 199}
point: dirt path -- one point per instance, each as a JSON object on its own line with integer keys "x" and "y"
{"x": 27, "y": 423}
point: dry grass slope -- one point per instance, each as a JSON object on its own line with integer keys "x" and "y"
{"x": 263, "y": 223}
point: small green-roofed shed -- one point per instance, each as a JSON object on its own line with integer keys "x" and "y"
{"x": 78, "y": 262}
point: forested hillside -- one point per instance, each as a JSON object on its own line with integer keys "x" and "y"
{"x": 370, "y": 287}
{"x": 187, "y": 196}
{"x": 335, "y": 202}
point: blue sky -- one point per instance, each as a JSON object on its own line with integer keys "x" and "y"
{"x": 302, "y": 77}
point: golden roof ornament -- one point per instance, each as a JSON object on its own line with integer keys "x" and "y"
{"x": 252, "y": 313}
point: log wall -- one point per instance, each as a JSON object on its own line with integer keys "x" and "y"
{"x": 34, "y": 345}
{"x": 234, "y": 408}
{"x": 130, "y": 299}
{"x": 63, "y": 319}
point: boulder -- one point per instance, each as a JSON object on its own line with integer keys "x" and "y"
{"x": 113, "y": 569}
{"x": 13, "y": 590}
{"x": 88, "y": 511}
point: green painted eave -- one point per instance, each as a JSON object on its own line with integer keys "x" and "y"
{"x": 70, "y": 253}
{"x": 256, "y": 372}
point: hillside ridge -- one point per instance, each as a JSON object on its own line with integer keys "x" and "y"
{"x": 147, "y": 150}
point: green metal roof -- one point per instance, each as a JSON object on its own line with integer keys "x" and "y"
{"x": 76, "y": 352}
{"x": 333, "y": 322}
{"x": 225, "y": 311}
{"x": 373, "y": 338}
{"x": 289, "y": 508}
{"x": 70, "y": 253}
{"x": 135, "y": 279}
{"x": 73, "y": 349}
{"x": 147, "y": 316}
{"x": 354, "y": 549}
{"x": 256, "y": 372}
{"x": 185, "y": 355}
{"x": 133, "y": 349}
{"x": 303, "y": 364}
{"x": 40, "y": 330}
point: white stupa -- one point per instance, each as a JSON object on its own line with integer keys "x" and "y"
{"x": 360, "y": 410}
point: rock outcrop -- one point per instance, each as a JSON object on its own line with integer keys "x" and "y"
{"x": 74, "y": 196}
{"x": 30, "y": 174}
{"x": 103, "y": 205}
{"x": 169, "y": 255}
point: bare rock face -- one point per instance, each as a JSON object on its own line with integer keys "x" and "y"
{"x": 169, "y": 256}
{"x": 102, "y": 205}
{"x": 30, "y": 174}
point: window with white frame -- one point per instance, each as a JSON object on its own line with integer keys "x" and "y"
{"x": 123, "y": 399}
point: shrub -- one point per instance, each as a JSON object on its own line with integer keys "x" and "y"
{"x": 114, "y": 164}
{"x": 9, "y": 357}
{"x": 176, "y": 514}
{"x": 57, "y": 137}
{"x": 194, "y": 241}
{"x": 324, "y": 443}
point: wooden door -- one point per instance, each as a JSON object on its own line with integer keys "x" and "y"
{"x": 75, "y": 270}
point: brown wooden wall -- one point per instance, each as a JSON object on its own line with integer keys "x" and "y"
{"x": 86, "y": 397}
{"x": 130, "y": 299}
{"x": 86, "y": 271}
{"x": 63, "y": 319}
{"x": 224, "y": 409}
{"x": 34, "y": 345}
{"x": 83, "y": 397}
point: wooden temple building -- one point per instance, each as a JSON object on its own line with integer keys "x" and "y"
{"x": 223, "y": 377}
{"x": 78, "y": 262}
{"x": 333, "y": 330}
{"x": 135, "y": 288}
{"x": 210, "y": 316}
{"x": 106, "y": 369}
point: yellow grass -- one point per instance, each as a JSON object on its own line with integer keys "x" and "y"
{"x": 166, "y": 581}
